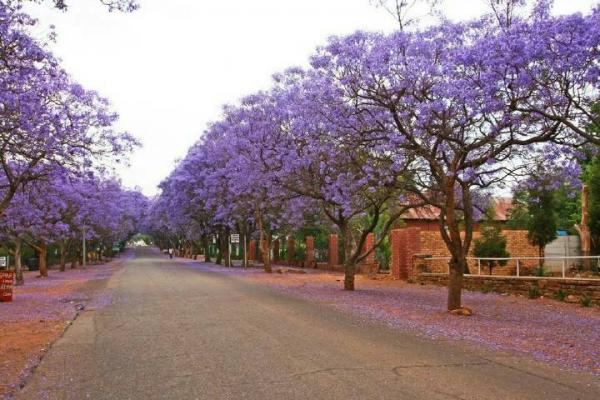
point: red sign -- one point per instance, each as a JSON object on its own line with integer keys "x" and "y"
{"x": 7, "y": 279}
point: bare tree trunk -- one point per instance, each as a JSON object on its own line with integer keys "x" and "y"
{"x": 18, "y": 265}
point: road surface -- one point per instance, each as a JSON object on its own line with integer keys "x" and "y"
{"x": 173, "y": 332}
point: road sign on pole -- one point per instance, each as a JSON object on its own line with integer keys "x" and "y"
{"x": 83, "y": 250}
{"x": 4, "y": 262}
{"x": 235, "y": 238}
{"x": 6, "y": 285}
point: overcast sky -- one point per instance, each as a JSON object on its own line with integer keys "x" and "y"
{"x": 169, "y": 67}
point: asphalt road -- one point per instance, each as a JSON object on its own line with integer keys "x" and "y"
{"x": 178, "y": 333}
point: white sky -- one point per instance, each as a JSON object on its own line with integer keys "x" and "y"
{"x": 169, "y": 67}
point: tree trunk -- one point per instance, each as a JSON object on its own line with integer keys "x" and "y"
{"x": 206, "y": 249}
{"x": 349, "y": 263}
{"x": 219, "y": 254}
{"x": 18, "y": 266}
{"x": 454, "y": 243}
{"x": 455, "y": 282}
{"x": 225, "y": 244}
{"x": 349, "y": 272}
{"x": 63, "y": 256}
{"x": 42, "y": 251}
{"x": 264, "y": 250}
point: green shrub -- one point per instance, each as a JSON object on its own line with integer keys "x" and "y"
{"x": 561, "y": 295}
{"x": 534, "y": 292}
{"x": 539, "y": 271}
{"x": 585, "y": 301}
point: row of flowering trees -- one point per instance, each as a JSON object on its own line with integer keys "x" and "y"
{"x": 57, "y": 148}
{"x": 380, "y": 123}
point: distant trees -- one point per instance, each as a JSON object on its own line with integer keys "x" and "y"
{"x": 491, "y": 244}
{"x": 535, "y": 209}
{"x": 592, "y": 178}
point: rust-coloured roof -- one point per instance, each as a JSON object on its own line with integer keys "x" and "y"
{"x": 502, "y": 206}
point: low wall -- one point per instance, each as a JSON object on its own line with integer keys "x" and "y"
{"x": 548, "y": 287}
{"x": 517, "y": 245}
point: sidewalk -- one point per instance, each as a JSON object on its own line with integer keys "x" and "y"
{"x": 41, "y": 311}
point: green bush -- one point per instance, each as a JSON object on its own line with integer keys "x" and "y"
{"x": 491, "y": 244}
{"x": 534, "y": 292}
{"x": 299, "y": 254}
{"x": 561, "y": 295}
{"x": 539, "y": 271}
{"x": 585, "y": 301}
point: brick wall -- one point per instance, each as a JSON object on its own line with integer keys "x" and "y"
{"x": 406, "y": 243}
{"x": 333, "y": 250}
{"x": 548, "y": 287}
{"x": 431, "y": 243}
{"x": 290, "y": 250}
{"x": 252, "y": 250}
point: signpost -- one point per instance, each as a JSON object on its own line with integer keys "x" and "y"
{"x": 233, "y": 238}
{"x": 83, "y": 250}
{"x": 4, "y": 262}
{"x": 7, "y": 279}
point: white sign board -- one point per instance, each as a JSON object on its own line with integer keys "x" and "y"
{"x": 235, "y": 238}
{"x": 3, "y": 262}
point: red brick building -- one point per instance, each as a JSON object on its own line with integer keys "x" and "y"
{"x": 426, "y": 218}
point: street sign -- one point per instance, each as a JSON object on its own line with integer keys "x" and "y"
{"x": 3, "y": 262}
{"x": 6, "y": 285}
{"x": 235, "y": 238}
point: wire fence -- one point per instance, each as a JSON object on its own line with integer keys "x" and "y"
{"x": 553, "y": 266}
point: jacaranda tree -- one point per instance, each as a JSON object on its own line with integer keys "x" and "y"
{"x": 46, "y": 119}
{"x": 441, "y": 116}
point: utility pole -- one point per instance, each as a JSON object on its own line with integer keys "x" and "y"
{"x": 245, "y": 252}
{"x": 84, "y": 253}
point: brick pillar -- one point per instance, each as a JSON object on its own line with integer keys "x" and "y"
{"x": 333, "y": 250}
{"x": 275, "y": 250}
{"x": 252, "y": 250}
{"x": 259, "y": 255}
{"x": 369, "y": 243}
{"x": 291, "y": 249}
{"x": 406, "y": 243}
{"x": 310, "y": 251}
{"x": 395, "y": 256}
